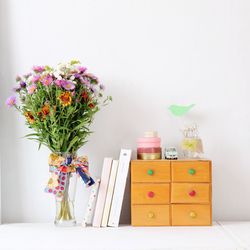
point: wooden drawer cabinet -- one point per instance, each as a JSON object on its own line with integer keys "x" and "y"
{"x": 174, "y": 193}
{"x": 151, "y": 215}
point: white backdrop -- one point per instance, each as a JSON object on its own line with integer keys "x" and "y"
{"x": 149, "y": 54}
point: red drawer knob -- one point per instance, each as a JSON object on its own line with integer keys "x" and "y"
{"x": 192, "y": 193}
{"x": 151, "y": 194}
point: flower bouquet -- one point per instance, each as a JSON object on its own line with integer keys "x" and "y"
{"x": 59, "y": 105}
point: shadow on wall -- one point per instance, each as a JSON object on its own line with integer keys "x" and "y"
{"x": 9, "y": 155}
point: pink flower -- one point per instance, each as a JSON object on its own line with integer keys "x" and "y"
{"x": 47, "y": 80}
{"x": 59, "y": 83}
{"x": 84, "y": 80}
{"x": 82, "y": 69}
{"x": 35, "y": 78}
{"x": 38, "y": 69}
{"x": 31, "y": 89}
{"x": 11, "y": 101}
{"x": 68, "y": 85}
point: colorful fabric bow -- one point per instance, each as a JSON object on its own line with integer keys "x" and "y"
{"x": 61, "y": 167}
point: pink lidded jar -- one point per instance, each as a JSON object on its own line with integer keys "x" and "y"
{"x": 149, "y": 146}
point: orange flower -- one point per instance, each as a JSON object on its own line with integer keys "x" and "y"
{"x": 91, "y": 105}
{"x": 65, "y": 98}
{"x": 45, "y": 109}
{"x": 30, "y": 118}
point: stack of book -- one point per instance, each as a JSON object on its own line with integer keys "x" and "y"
{"x": 106, "y": 197}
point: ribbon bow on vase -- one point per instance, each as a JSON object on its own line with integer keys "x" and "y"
{"x": 61, "y": 167}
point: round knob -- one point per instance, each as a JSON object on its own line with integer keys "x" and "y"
{"x": 151, "y": 215}
{"x": 151, "y": 194}
{"x": 193, "y": 214}
{"x": 150, "y": 172}
{"x": 191, "y": 171}
{"x": 192, "y": 193}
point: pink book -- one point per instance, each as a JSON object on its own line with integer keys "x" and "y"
{"x": 106, "y": 169}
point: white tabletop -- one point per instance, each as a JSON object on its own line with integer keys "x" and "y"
{"x": 47, "y": 236}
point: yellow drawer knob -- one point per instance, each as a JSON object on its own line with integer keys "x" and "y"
{"x": 193, "y": 214}
{"x": 151, "y": 215}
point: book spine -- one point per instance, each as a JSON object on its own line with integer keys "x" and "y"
{"x": 110, "y": 192}
{"x": 120, "y": 184}
{"x": 102, "y": 192}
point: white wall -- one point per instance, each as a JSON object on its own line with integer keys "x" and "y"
{"x": 149, "y": 54}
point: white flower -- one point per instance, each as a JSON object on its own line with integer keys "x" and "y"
{"x": 57, "y": 75}
{"x": 72, "y": 78}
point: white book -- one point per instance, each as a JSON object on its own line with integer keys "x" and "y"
{"x": 106, "y": 169}
{"x": 120, "y": 184}
{"x": 110, "y": 192}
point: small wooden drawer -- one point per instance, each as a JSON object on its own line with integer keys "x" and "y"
{"x": 150, "y": 193}
{"x": 191, "y": 171}
{"x": 150, "y": 171}
{"x": 191, "y": 215}
{"x": 150, "y": 215}
{"x": 190, "y": 192}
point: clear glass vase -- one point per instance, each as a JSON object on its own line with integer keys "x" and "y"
{"x": 65, "y": 203}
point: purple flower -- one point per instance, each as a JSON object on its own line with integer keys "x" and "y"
{"x": 35, "y": 78}
{"x": 85, "y": 81}
{"x": 91, "y": 76}
{"x": 47, "y": 80}
{"x": 82, "y": 69}
{"x": 77, "y": 75}
{"x": 11, "y": 101}
{"x": 68, "y": 85}
{"x": 38, "y": 69}
{"x": 31, "y": 89}
{"x": 23, "y": 84}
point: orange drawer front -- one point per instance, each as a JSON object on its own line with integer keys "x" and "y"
{"x": 190, "y": 193}
{"x": 191, "y": 171}
{"x": 150, "y": 215}
{"x": 150, "y": 193}
{"x": 150, "y": 171}
{"x": 191, "y": 215}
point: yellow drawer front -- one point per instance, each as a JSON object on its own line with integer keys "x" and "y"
{"x": 191, "y": 215}
{"x": 150, "y": 215}
{"x": 191, "y": 171}
{"x": 150, "y": 193}
{"x": 190, "y": 193}
{"x": 150, "y": 171}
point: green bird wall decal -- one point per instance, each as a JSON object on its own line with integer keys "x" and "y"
{"x": 178, "y": 110}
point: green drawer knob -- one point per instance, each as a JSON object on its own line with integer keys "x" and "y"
{"x": 191, "y": 171}
{"x": 150, "y": 172}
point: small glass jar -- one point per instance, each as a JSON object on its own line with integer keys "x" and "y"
{"x": 191, "y": 144}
